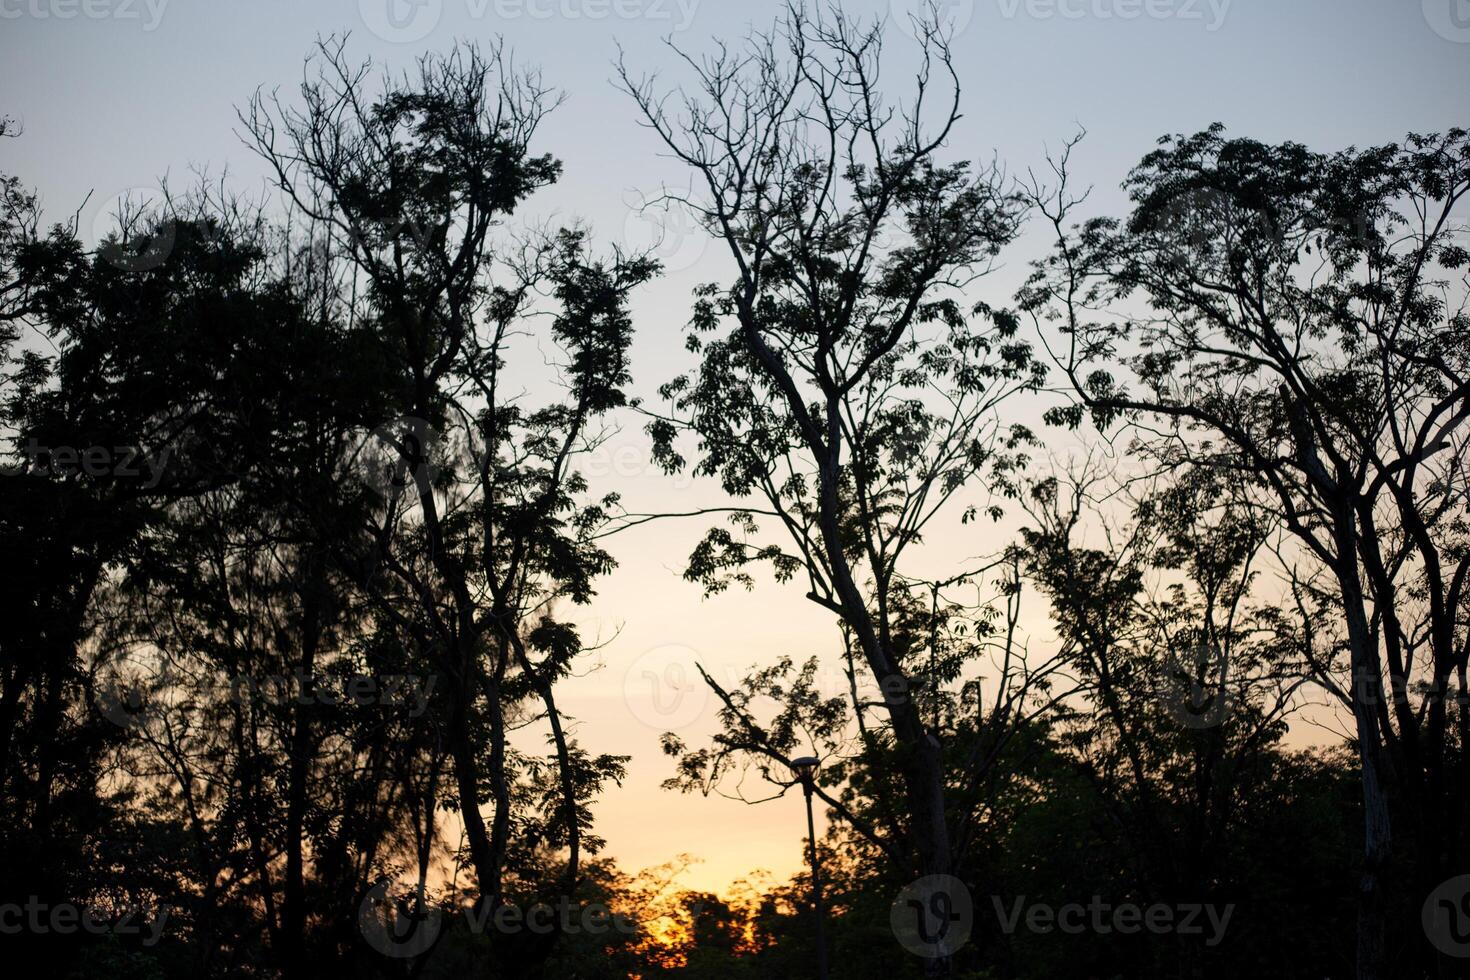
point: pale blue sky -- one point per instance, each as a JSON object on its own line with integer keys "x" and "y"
{"x": 115, "y": 93}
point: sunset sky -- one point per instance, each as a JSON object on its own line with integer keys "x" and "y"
{"x": 125, "y": 92}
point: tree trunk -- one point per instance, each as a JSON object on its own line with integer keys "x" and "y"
{"x": 293, "y": 900}
{"x": 919, "y": 751}
{"x": 1377, "y": 830}
{"x": 1377, "y": 849}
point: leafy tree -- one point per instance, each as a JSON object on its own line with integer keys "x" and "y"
{"x": 1188, "y": 674}
{"x": 136, "y": 411}
{"x": 1298, "y": 318}
{"x": 479, "y": 526}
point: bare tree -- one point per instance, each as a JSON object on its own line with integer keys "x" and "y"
{"x": 852, "y": 395}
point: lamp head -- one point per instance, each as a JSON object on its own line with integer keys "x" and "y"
{"x": 804, "y": 768}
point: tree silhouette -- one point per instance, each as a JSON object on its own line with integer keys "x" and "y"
{"x": 1304, "y": 326}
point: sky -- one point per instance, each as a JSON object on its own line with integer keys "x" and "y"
{"x": 115, "y": 94}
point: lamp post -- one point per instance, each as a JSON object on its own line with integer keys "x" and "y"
{"x": 805, "y": 769}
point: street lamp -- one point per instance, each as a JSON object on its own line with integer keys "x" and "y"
{"x": 805, "y": 769}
